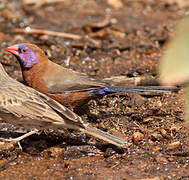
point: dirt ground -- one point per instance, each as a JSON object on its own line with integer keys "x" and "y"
{"x": 119, "y": 38}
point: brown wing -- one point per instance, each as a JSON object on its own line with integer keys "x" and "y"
{"x": 24, "y": 101}
{"x": 21, "y": 102}
{"x": 62, "y": 79}
{"x": 64, "y": 112}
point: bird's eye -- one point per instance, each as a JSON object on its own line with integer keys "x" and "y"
{"x": 24, "y": 50}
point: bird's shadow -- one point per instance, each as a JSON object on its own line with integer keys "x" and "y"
{"x": 36, "y": 144}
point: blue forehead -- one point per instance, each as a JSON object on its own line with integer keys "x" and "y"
{"x": 21, "y": 46}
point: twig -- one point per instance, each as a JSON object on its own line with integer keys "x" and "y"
{"x": 29, "y": 30}
{"x": 39, "y": 3}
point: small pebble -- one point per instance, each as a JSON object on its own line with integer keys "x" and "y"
{"x": 137, "y": 136}
{"x": 156, "y": 149}
{"x": 173, "y": 145}
{"x": 170, "y": 159}
{"x": 163, "y": 132}
{"x": 160, "y": 159}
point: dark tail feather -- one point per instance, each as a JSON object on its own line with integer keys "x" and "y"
{"x": 104, "y": 136}
{"x": 142, "y": 89}
{"x": 117, "y": 89}
{"x": 96, "y": 133}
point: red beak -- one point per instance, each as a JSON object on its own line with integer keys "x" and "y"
{"x": 13, "y": 49}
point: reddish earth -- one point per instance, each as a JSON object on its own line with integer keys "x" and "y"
{"x": 127, "y": 40}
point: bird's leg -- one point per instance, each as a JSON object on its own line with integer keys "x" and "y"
{"x": 18, "y": 139}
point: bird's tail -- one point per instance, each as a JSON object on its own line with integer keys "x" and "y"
{"x": 104, "y": 136}
{"x": 117, "y": 89}
{"x": 145, "y": 88}
{"x": 94, "y": 132}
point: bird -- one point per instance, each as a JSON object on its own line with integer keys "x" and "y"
{"x": 70, "y": 88}
{"x": 37, "y": 111}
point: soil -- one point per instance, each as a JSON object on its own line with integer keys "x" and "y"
{"x": 120, "y": 38}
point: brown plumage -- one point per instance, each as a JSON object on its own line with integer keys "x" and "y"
{"x": 53, "y": 80}
{"x": 42, "y": 111}
{"x": 68, "y": 87}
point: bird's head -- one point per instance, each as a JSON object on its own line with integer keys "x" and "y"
{"x": 27, "y": 54}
